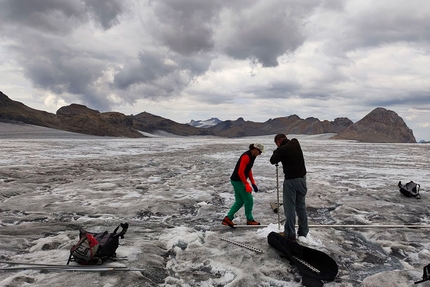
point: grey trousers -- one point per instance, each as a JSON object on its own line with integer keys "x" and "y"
{"x": 294, "y": 193}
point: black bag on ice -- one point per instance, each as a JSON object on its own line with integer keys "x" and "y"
{"x": 411, "y": 189}
{"x": 426, "y": 274}
{"x": 315, "y": 266}
{"x": 96, "y": 248}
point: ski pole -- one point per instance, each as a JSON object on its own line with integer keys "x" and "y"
{"x": 277, "y": 192}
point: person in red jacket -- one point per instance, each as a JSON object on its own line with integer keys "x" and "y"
{"x": 242, "y": 189}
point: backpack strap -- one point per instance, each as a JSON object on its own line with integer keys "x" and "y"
{"x": 418, "y": 196}
{"x": 124, "y": 227}
{"x": 70, "y": 258}
{"x": 413, "y": 188}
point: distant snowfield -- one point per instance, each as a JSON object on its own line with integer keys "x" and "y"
{"x": 174, "y": 192}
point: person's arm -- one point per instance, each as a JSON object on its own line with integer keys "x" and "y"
{"x": 254, "y": 185}
{"x": 242, "y": 165}
{"x": 276, "y": 157}
{"x": 251, "y": 177}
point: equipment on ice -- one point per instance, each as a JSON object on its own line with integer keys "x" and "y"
{"x": 248, "y": 226}
{"x": 315, "y": 266}
{"x": 426, "y": 274}
{"x": 277, "y": 194}
{"x": 18, "y": 266}
{"x": 96, "y": 248}
{"x": 249, "y": 247}
{"x": 410, "y": 189}
{"x": 275, "y": 207}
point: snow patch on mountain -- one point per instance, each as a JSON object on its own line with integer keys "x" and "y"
{"x": 205, "y": 124}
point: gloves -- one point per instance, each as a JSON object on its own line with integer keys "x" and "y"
{"x": 248, "y": 188}
{"x": 255, "y": 187}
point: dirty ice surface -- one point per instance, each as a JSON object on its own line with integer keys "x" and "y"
{"x": 174, "y": 192}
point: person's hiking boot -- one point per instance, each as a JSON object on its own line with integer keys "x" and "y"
{"x": 227, "y": 221}
{"x": 252, "y": 222}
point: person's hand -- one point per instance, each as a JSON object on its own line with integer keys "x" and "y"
{"x": 248, "y": 188}
{"x": 255, "y": 187}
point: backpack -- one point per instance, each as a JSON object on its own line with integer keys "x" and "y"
{"x": 411, "y": 189}
{"x": 96, "y": 248}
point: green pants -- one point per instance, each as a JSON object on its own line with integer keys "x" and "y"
{"x": 241, "y": 198}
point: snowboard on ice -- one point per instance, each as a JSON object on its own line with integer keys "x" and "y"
{"x": 315, "y": 266}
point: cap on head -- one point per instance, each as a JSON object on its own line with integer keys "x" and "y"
{"x": 259, "y": 146}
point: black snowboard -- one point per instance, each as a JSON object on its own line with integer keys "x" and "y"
{"x": 315, "y": 266}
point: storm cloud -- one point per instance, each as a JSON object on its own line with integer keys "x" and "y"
{"x": 324, "y": 59}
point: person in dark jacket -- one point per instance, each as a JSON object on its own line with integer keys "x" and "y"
{"x": 290, "y": 154}
{"x": 242, "y": 189}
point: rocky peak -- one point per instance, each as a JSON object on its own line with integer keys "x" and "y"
{"x": 345, "y": 122}
{"x": 81, "y": 119}
{"x": 4, "y": 100}
{"x": 14, "y": 111}
{"x": 75, "y": 109}
{"x": 379, "y": 126}
{"x": 240, "y": 121}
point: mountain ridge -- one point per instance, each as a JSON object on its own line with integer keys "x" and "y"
{"x": 380, "y": 125}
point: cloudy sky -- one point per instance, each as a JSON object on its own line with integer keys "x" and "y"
{"x": 195, "y": 59}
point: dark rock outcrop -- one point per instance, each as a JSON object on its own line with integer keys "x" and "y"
{"x": 288, "y": 125}
{"x": 13, "y": 111}
{"x": 379, "y": 126}
{"x": 237, "y": 128}
{"x": 80, "y": 119}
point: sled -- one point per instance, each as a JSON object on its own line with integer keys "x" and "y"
{"x": 315, "y": 266}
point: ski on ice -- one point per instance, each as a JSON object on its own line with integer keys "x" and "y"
{"x": 369, "y": 226}
{"x": 364, "y": 226}
{"x": 54, "y": 267}
{"x": 71, "y": 268}
{"x": 248, "y": 226}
